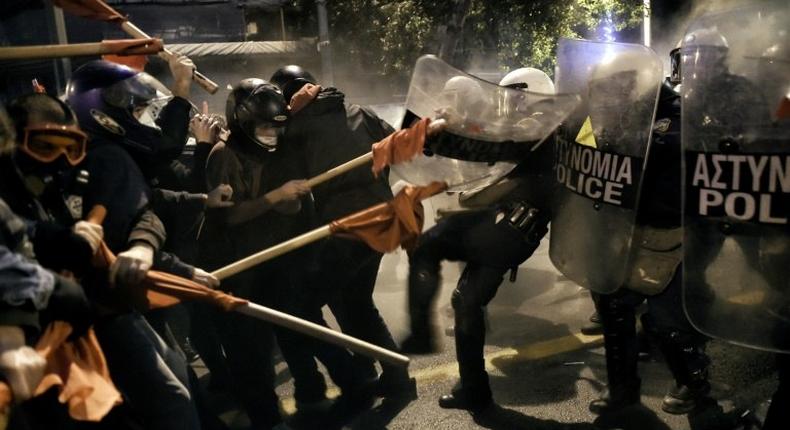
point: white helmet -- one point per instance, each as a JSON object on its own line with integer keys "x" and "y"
{"x": 705, "y": 50}
{"x": 530, "y": 79}
{"x": 709, "y": 37}
{"x": 625, "y": 71}
{"x": 464, "y": 88}
{"x": 465, "y": 95}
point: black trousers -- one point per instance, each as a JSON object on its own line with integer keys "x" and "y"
{"x": 490, "y": 249}
{"x": 347, "y": 275}
{"x": 665, "y": 321}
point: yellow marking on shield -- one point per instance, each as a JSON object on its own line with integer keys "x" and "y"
{"x": 585, "y": 136}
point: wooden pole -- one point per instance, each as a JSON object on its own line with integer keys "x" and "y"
{"x": 434, "y": 127}
{"x": 282, "y": 23}
{"x": 323, "y": 333}
{"x": 272, "y": 252}
{"x": 339, "y": 170}
{"x": 207, "y": 84}
{"x": 79, "y": 49}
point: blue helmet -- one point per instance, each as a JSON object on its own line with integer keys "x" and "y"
{"x": 118, "y": 103}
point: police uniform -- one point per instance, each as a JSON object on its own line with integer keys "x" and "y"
{"x": 682, "y": 346}
{"x": 491, "y": 241}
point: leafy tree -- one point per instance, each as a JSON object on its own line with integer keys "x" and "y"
{"x": 389, "y": 35}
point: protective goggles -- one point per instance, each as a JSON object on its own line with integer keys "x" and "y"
{"x": 45, "y": 143}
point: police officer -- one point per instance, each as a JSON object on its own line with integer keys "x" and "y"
{"x": 492, "y": 239}
{"x": 659, "y": 221}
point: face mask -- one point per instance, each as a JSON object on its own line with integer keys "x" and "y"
{"x": 268, "y": 142}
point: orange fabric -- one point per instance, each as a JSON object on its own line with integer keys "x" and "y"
{"x": 783, "y": 111}
{"x": 6, "y": 398}
{"x": 303, "y": 97}
{"x": 79, "y": 370}
{"x": 386, "y": 226}
{"x": 165, "y": 289}
{"x": 403, "y": 145}
{"x": 133, "y": 52}
{"x": 91, "y": 9}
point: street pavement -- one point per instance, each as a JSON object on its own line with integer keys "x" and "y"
{"x": 544, "y": 372}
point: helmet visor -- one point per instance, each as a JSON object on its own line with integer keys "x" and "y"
{"x": 142, "y": 94}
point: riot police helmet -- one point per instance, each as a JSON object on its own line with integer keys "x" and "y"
{"x": 463, "y": 95}
{"x": 530, "y": 79}
{"x": 708, "y": 49}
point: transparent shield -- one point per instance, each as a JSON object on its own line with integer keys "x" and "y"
{"x": 599, "y": 158}
{"x": 490, "y": 128}
{"x": 736, "y": 173}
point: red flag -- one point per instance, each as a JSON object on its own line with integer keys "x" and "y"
{"x": 783, "y": 111}
{"x": 303, "y": 97}
{"x": 403, "y": 145}
{"x": 91, "y": 9}
{"x": 79, "y": 371}
{"x": 386, "y": 226}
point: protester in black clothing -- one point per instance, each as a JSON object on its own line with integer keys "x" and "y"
{"x": 262, "y": 169}
{"x": 329, "y": 132}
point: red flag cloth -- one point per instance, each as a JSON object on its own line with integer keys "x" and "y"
{"x": 164, "y": 289}
{"x": 403, "y": 145}
{"x": 133, "y": 53}
{"x": 303, "y": 97}
{"x": 91, "y": 9}
{"x": 783, "y": 111}
{"x": 386, "y": 226}
{"x": 79, "y": 371}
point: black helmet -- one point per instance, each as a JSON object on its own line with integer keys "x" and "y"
{"x": 255, "y": 103}
{"x": 105, "y": 97}
{"x": 291, "y": 79}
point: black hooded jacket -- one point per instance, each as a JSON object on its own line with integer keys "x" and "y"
{"x": 328, "y": 133}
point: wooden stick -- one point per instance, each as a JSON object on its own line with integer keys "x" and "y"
{"x": 207, "y": 84}
{"x": 434, "y": 127}
{"x": 323, "y": 333}
{"x": 116, "y": 47}
{"x": 339, "y": 170}
{"x": 272, "y": 252}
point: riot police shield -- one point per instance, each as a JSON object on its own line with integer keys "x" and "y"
{"x": 599, "y": 158}
{"x": 490, "y": 127}
{"x": 736, "y": 175}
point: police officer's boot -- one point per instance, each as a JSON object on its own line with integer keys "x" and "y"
{"x": 622, "y": 354}
{"x": 423, "y": 286}
{"x": 594, "y": 326}
{"x": 688, "y": 363}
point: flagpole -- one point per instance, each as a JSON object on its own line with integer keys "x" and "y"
{"x": 323, "y": 333}
{"x": 433, "y": 128}
{"x": 273, "y": 252}
{"x": 339, "y": 170}
{"x": 116, "y": 47}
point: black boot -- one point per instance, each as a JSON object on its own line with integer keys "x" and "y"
{"x": 622, "y": 353}
{"x": 682, "y": 399}
{"x": 594, "y": 327}
{"x": 423, "y": 288}
{"x": 616, "y": 398}
{"x": 686, "y": 359}
{"x": 461, "y": 399}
